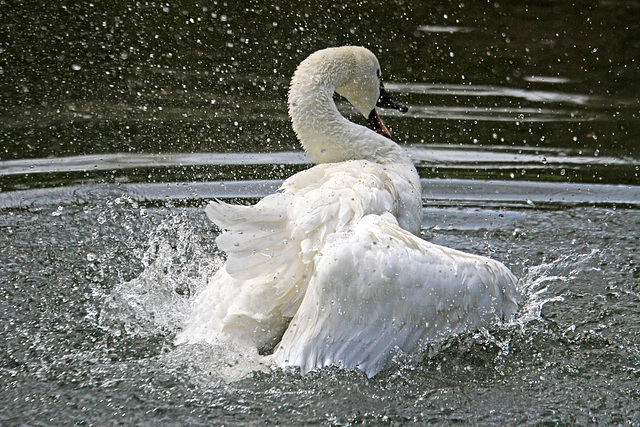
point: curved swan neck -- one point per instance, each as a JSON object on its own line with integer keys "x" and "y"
{"x": 323, "y": 132}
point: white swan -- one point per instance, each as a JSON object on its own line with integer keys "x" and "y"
{"x": 329, "y": 270}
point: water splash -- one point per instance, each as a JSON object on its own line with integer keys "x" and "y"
{"x": 547, "y": 282}
{"x": 542, "y": 283}
{"x": 176, "y": 264}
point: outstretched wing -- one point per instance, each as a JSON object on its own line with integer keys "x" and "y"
{"x": 379, "y": 287}
{"x": 254, "y": 294}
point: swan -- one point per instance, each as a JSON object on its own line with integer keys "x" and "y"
{"x": 330, "y": 269}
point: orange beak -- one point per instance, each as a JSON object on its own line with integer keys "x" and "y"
{"x": 376, "y": 123}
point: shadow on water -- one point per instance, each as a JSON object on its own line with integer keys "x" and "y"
{"x": 118, "y": 122}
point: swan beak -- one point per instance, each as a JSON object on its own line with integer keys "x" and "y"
{"x": 384, "y": 101}
{"x": 376, "y": 123}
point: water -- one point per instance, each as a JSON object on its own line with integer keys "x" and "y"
{"x": 90, "y": 317}
{"x": 118, "y": 123}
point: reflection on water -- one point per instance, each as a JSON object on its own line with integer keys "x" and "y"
{"x": 119, "y": 121}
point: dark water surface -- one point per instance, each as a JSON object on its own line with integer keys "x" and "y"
{"x": 118, "y": 122}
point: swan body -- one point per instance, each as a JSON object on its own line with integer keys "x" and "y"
{"x": 330, "y": 269}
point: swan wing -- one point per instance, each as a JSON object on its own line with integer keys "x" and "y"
{"x": 378, "y": 288}
{"x": 271, "y": 246}
{"x": 256, "y": 292}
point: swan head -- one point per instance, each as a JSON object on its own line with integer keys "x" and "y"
{"x": 363, "y": 87}
{"x": 354, "y": 73}
{"x": 360, "y": 83}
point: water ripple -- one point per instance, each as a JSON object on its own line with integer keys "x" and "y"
{"x": 432, "y": 155}
{"x": 492, "y": 91}
{"x": 119, "y": 161}
{"x": 499, "y": 114}
{"x": 450, "y": 29}
{"x": 436, "y": 192}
